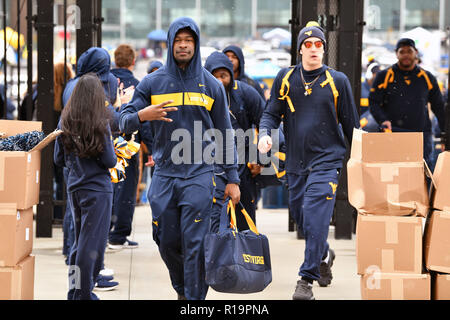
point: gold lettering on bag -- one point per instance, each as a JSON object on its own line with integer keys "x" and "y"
{"x": 253, "y": 259}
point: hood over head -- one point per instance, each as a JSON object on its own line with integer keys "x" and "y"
{"x": 240, "y": 55}
{"x": 195, "y": 66}
{"x": 96, "y": 60}
{"x": 155, "y": 64}
{"x": 218, "y": 60}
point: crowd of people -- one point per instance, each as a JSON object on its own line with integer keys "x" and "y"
{"x": 310, "y": 109}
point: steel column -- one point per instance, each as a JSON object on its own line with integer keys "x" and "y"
{"x": 45, "y": 113}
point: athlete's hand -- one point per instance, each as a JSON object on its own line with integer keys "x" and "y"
{"x": 156, "y": 112}
{"x": 232, "y": 191}
{"x": 126, "y": 94}
{"x": 255, "y": 169}
{"x": 387, "y": 125}
{"x": 265, "y": 144}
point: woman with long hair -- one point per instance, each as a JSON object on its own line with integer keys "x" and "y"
{"x": 58, "y": 88}
{"x": 86, "y": 149}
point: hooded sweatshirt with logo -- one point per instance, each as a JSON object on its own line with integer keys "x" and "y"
{"x": 245, "y": 104}
{"x": 242, "y": 76}
{"x": 180, "y": 148}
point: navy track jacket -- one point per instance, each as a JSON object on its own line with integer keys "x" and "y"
{"x": 87, "y": 173}
{"x": 201, "y": 103}
{"x": 245, "y": 104}
{"x": 315, "y": 131}
{"x": 402, "y": 99}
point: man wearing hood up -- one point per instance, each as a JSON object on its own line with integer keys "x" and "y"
{"x": 181, "y": 191}
{"x": 236, "y": 56}
{"x": 245, "y": 107}
{"x": 316, "y": 105}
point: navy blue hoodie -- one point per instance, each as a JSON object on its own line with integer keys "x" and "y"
{"x": 242, "y": 76}
{"x": 155, "y": 64}
{"x": 126, "y": 77}
{"x": 98, "y": 61}
{"x": 314, "y": 132}
{"x": 245, "y": 104}
{"x": 199, "y": 97}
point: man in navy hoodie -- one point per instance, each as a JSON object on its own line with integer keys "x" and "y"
{"x": 316, "y": 105}
{"x": 234, "y": 53}
{"x": 245, "y": 107}
{"x": 181, "y": 192}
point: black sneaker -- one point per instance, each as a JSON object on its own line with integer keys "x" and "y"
{"x": 303, "y": 291}
{"x": 325, "y": 270}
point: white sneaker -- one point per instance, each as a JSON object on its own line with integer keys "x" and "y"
{"x": 115, "y": 247}
{"x": 107, "y": 272}
{"x": 128, "y": 244}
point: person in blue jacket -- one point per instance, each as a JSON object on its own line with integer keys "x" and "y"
{"x": 154, "y": 65}
{"x": 245, "y": 107}
{"x": 85, "y": 148}
{"x": 6, "y": 105}
{"x": 236, "y": 56}
{"x": 366, "y": 120}
{"x": 124, "y": 199}
{"x": 94, "y": 60}
{"x": 316, "y": 105}
{"x": 191, "y": 103}
{"x": 400, "y": 95}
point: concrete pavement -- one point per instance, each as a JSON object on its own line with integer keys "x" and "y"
{"x": 143, "y": 276}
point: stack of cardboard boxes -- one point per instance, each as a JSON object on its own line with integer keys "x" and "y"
{"x": 19, "y": 192}
{"x": 387, "y": 185}
{"x": 437, "y": 231}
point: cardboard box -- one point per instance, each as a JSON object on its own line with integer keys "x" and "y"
{"x": 19, "y": 170}
{"x": 395, "y": 286}
{"x": 389, "y": 244}
{"x": 437, "y": 242}
{"x": 17, "y": 283}
{"x": 441, "y": 182}
{"x": 16, "y": 234}
{"x": 386, "y": 174}
{"x": 441, "y": 287}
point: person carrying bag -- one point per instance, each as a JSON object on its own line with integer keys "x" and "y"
{"x": 237, "y": 262}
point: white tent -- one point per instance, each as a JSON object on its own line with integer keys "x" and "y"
{"x": 428, "y": 44}
{"x": 277, "y": 33}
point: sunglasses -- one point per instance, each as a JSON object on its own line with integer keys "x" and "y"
{"x": 309, "y": 44}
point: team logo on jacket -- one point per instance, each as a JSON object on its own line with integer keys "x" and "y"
{"x": 333, "y": 189}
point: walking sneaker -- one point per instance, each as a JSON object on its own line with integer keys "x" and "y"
{"x": 303, "y": 291}
{"x": 105, "y": 278}
{"x": 325, "y": 270}
{"x": 103, "y": 285}
{"x": 128, "y": 244}
{"x": 107, "y": 272}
